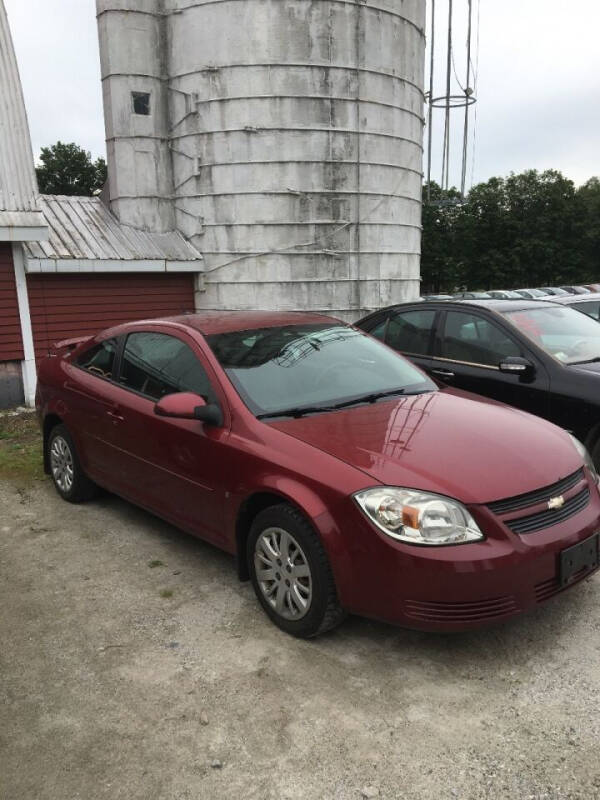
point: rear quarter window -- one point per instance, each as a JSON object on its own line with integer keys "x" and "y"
{"x": 99, "y": 359}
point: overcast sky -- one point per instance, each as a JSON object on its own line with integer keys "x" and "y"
{"x": 538, "y": 82}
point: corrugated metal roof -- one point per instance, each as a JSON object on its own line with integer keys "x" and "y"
{"x": 18, "y": 186}
{"x": 83, "y": 228}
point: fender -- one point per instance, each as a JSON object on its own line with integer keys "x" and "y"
{"x": 316, "y": 511}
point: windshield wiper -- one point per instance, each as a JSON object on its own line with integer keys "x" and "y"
{"x": 300, "y": 411}
{"x": 296, "y": 412}
{"x": 372, "y": 398}
{"x": 587, "y": 361}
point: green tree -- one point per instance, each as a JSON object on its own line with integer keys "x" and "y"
{"x": 441, "y": 265}
{"x": 588, "y": 231}
{"x": 530, "y": 229}
{"x": 69, "y": 169}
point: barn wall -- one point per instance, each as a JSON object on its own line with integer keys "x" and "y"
{"x": 11, "y": 343}
{"x": 65, "y": 306}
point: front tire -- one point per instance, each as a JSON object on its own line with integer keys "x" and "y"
{"x": 290, "y": 573}
{"x": 69, "y": 479}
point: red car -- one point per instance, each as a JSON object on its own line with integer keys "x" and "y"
{"x": 341, "y": 477}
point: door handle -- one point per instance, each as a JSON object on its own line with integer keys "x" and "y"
{"x": 114, "y": 415}
{"x": 443, "y": 373}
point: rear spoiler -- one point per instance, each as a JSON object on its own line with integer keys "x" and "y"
{"x": 68, "y": 345}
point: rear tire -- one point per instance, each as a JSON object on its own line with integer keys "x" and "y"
{"x": 291, "y": 574}
{"x": 69, "y": 479}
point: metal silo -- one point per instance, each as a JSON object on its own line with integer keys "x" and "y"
{"x": 136, "y": 114}
{"x": 295, "y": 135}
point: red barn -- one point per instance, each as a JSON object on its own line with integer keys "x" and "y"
{"x": 68, "y": 267}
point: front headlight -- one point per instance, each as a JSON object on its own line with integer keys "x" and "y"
{"x": 418, "y": 517}
{"x": 587, "y": 459}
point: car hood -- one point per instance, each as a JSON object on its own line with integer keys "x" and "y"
{"x": 593, "y": 366}
{"x": 468, "y": 448}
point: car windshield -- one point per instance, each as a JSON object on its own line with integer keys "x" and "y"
{"x": 566, "y": 334}
{"x": 299, "y": 367}
{"x": 506, "y": 294}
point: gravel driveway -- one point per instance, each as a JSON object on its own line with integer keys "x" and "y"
{"x": 134, "y": 665}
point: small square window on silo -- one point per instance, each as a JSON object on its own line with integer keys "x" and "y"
{"x": 141, "y": 103}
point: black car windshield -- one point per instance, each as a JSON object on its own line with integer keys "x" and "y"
{"x": 312, "y": 366}
{"x": 566, "y": 334}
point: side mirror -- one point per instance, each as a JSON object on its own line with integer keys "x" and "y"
{"x": 210, "y": 414}
{"x": 187, "y": 405}
{"x": 515, "y": 365}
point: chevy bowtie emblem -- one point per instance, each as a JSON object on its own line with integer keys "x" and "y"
{"x": 556, "y": 502}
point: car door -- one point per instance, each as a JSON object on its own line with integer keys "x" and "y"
{"x": 176, "y": 467}
{"x": 410, "y": 332}
{"x": 90, "y": 397}
{"x": 468, "y": 349}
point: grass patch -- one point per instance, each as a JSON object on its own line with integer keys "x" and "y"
{"x": 21, "y": 448}
{"x": 166, "y": 592}
{"x": 156, "y": 563}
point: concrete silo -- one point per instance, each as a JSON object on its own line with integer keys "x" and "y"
{"x": 294, "y": 134}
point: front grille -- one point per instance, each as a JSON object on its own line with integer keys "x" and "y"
{"x": 537, "y": 496}
{"x": 548, "y": 517}
{"x": 461, "y": 612}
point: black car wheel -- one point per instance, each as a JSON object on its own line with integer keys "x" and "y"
{"x": 290, "y": 573}
{"x": 69, "y": 479}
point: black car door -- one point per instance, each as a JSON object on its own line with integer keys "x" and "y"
{"x": 468, "y": 349}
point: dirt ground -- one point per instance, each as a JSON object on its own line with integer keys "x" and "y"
{"x": 133, "y": 664}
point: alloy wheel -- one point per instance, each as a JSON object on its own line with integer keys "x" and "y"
{"x": 283, "y": 573}
{"x": 61, "y": 464}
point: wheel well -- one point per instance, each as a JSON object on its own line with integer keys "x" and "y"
{"x": 50, "y": 422}
{"x": 249, "y": 509}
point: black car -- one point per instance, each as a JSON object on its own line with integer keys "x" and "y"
{"x": 588, "y": 303}
{"x": 536, "y": 355}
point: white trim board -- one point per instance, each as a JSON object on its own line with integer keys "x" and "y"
{"x": 61, "y": 265}
{"x": 28, "y": 364}
{"x": 22, "y": 234}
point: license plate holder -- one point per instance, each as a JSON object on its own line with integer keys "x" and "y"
{"x": 574, "y": 559}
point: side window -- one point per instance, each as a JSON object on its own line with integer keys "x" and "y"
{"x": 410, "y": 331}
{"x": 592, "y": 309}
{"x": 99, "y": 359}
{"x": 468, "y": 337}
{"x": 379, "y": 330}
{"x": 156, "y": 364}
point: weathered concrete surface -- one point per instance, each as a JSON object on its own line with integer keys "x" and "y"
{"x": 284, "y": 140}
{"x": 106, "y": 685}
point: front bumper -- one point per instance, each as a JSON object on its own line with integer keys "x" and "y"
{"x": 459, "y": 587}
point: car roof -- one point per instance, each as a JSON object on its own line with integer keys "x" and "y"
{"x": 498, "y": 306}
{"x": 211, "y": 322}
{"x": 569, "y": 299}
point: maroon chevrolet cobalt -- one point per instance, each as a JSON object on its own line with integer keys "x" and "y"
{"x": 339, "y": 475}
